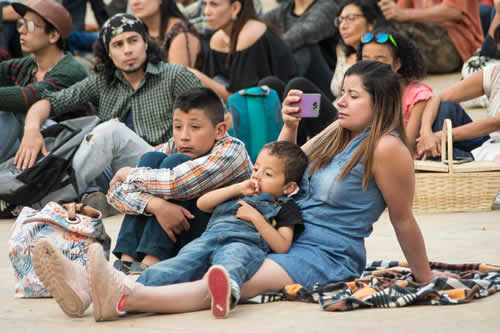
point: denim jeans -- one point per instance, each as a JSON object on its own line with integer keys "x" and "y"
{"x": 110, "y": 145}
{"x": 11, "y": 133}
{"x": 140, "y": 234}
{"x": 458, "y": 116}
{"x": 228, "y": 241}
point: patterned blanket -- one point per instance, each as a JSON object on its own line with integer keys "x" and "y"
{"x": 390, "y": 284}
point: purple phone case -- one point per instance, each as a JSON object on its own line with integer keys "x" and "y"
{"x": 309, "y": 106}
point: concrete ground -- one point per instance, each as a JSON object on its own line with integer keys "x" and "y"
{"x": 452, "y": 238}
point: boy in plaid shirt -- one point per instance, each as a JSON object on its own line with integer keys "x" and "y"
{"x": 160, "y": 195}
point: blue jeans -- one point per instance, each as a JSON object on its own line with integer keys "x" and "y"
{"x": 458, "y": 116}
{"x": 141, "y": 235}
{"x": 82, "y": 41}
{"x": 11, "y": 133}
{"x": 228, "y": 241}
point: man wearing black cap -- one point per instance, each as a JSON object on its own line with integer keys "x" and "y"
{"x": 43, "y": 27}
{"x": 132, "y": 88}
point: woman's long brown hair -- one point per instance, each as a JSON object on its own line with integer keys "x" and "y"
{"x": 382, "y": 83}
{"x": 247, "y": 12}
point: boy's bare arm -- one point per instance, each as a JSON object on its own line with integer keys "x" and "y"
{"x": 212, "y": 199}
{"x": 279, "y": 240}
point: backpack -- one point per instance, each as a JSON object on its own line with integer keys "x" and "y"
{"x": 257, "y": 117}
{"x": 52, "y": 177}
{"x": 71, "y": 228}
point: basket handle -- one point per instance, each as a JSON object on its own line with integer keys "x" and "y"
{"x": 447, "y": 144}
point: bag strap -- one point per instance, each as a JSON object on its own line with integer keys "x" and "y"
{"x": 74, "y": 208}
{"x": 264, "y": 91}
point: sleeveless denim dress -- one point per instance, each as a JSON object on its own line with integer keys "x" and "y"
{"x": 337, "y": 216}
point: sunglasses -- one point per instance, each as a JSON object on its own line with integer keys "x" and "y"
{"x": 381, "y": 38}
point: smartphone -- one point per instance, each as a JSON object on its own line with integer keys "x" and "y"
{"x": 309, "y": 105}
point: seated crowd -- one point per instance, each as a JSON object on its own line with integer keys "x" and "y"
{"x": 204, "y": 227}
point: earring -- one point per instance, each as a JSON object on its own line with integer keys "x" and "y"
{"x": 234, "y": 17}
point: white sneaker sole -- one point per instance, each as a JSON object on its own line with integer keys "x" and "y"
{"x": 49, "y": 269}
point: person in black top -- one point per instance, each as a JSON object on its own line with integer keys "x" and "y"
{"x": 243, "y": 49}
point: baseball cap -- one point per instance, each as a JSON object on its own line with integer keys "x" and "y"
{"x": 50, "y": 10}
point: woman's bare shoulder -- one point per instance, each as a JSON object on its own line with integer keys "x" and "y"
{"x": 251, "y": 32}
{"x": 389, "y": 148}
{"x": 219, "y": 42}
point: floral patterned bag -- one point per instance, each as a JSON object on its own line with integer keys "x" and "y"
{"x": 72, "y": 227}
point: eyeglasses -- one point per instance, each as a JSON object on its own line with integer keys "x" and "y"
{"x": 31, "y": 26}
{"x": 381, "y": 38}
{"x": 347, "y": 19}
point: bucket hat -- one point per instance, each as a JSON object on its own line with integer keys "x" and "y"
{"x": 51, "y": 11}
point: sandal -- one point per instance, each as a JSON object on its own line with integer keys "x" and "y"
{"x": 122, "y": 266}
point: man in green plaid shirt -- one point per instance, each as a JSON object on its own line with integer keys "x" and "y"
{"x": 133, "y": 91}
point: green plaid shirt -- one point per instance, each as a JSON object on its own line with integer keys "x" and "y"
{"x": 150, "y": 105}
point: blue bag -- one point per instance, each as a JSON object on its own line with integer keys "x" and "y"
{"x": 257, "y": 117}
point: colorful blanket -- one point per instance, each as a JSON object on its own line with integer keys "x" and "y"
{"x": 390, "y": 284}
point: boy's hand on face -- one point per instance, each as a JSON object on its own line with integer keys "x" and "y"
{"x": 247, "y": 212}
{"x": 120, "y": 176}
{"x": 249, "y": 188}
{"x": 172, "y": 217}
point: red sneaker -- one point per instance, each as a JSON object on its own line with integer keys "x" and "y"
{"x": 219, "y": 286}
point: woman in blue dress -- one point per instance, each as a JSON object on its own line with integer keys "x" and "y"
{"x": 359, "y": 165}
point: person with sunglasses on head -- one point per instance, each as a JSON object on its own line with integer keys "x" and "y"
{"x": 447, "y": 32}
{"x": 43, "y": 28}
{"x": 404, "y": 58}
{"x": 354, "y": 19}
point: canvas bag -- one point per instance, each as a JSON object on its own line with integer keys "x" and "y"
{"x": 72, "y": 228}
{"x": 257, "y": 117}
{"x": 52, "y": 177}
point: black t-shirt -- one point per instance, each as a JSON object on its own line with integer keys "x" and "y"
{"x": 268, "y": 56}
{"x": 288, "y": 215}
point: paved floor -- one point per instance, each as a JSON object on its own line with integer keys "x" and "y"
{"x": 454, "y": 238}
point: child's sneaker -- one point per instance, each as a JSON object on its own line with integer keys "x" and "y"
{"x": 219, "y": 286}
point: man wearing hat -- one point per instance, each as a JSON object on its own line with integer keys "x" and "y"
{"x": 133, "y": 91}
{"x": 43, "y": 27}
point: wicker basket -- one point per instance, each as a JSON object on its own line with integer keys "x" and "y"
{"x": 454, "y": 187}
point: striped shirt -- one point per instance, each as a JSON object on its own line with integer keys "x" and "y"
{"x": 227, "y": 163}
{"x": 149, "y": 106}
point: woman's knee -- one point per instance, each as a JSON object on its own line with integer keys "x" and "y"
{"x": 270, "y": 277}
{"x": 275, "y": 83}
